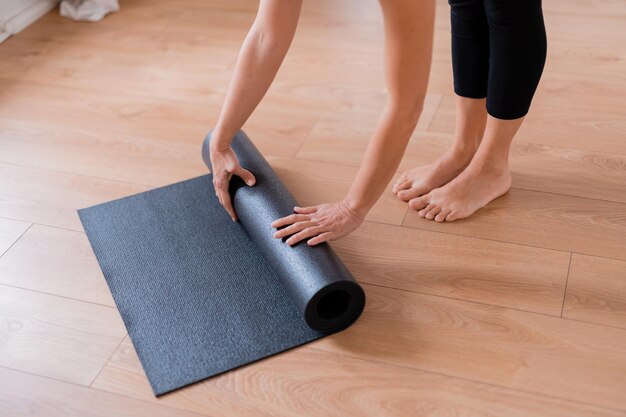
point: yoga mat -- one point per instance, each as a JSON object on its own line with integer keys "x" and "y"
{"x": 201, "y": 294}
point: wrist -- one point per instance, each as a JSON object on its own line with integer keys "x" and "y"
{"x": 218, "y": 143}
{"x": 356, "y": 207}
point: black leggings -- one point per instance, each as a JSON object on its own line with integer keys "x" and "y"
{"x": 498, "y": 52}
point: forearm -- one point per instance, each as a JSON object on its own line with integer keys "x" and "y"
{"x": 408, "y": 50}
{"x": 382, "y": 157}
{"x": 261, "y": 55}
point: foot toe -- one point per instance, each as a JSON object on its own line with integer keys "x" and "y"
{"x": 433, "y": 212}
{"x": 406, "y": 195}
{"x": 452, "y": 216}
{"x": 401, "y": 184}
{"x": 419, "y": 202}
{"x": 442, "y": 215}
{"x": 425, "y": 210}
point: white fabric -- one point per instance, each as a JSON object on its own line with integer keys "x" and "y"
{"x": 88, "y": 10}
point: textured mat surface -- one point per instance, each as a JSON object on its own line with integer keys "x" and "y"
{"x": 201, "y": 294}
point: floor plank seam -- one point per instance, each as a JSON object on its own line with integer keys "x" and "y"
{"x": 18, "y": 238}
{"x": 343, "y": 164}
{"x": 58, "y": 296}
{"x": 426, "y": 294}
{"x": 430, "y": 122}
{"x": 36, "y": 168}
{"x": 569, "y": 268}
{"x": 497, "y": 240}
{"x": 101, "y": 390}
{"x": 108, "y": 360}
{"x": 306, "y": 138}
{"x": 539, "y": 394}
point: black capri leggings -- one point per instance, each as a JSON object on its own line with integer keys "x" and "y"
{"x": 498, "y": 52}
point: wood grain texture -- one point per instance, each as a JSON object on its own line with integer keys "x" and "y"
{"x": 494, "y": 345}
{"x": 24, "y": 395}
{"x": 309, "y": 382}
{"x": 570, "y": 125}
{"x": 314, "y": 183}
{"x": 599, "y": 175}
{"x": 10, "y": 231}
{"x": 56, "y": 337}
{"x": 131, "y": 117}
{"x": 462, "y": 319}
{"x": 52, "y": 198}
{"x": 573, "y": 224}
{"x": 55, "y": 261}
{"x": 457, "y": 267}
{"x": 596, "y": 291}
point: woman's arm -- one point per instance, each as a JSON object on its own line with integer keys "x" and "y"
{"x": 408, "y": 49}
{"x": 260, "y": 57}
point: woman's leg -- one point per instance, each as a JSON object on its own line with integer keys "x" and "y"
{"x": 517, "y": 56}
{"x": 470, "y": 64}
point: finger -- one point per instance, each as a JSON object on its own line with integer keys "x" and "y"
{"x": 305, "y": 210}
{"x": 291, "y": 219}
{"x": 226, "y": 202}
{"x": 305, "y": 234}
{"x": 294, "y": 228}
{"x": 228, "y": 205}
{"x": 323, "y": 237}
{"x": 433, "y": 212}
{"x": 245, "y": 175}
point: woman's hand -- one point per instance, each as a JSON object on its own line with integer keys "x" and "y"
{"x": 318, "y": 223}
{"x": 224, "y": 164}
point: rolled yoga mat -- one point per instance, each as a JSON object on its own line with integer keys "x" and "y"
{"x": 201, "y": 294}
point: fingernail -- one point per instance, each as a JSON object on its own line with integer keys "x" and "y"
{"x": 275, "y": 234}
{"x": 250, "y": 183}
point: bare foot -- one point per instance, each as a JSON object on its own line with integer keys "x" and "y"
{"x": 419, "y": 181}
{"x": 473, "y": 189}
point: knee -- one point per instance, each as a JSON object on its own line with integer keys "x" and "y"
{"x": 406, "y": 111}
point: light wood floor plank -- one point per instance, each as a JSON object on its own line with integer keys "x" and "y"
{"x": 52, "y": 198}
{"x": 572, "y": 224}
{"x": 55, "y": 261}
{"x": 93, "y": 112}
{"x": 596, "y": 291}
{"x": 24, "y": 395}
{"x": 570, "y": 126}
{"x": 598, "y": 175}
{"x": 56, "y": 337}
{"x": 10, "y": 231}
{"x": 519, "y": 350}
{"x": 457, "y": 267}
{"x": 134, "y": 116}
{"x": 309, "y": 382}
{"x": 314, "y": 183}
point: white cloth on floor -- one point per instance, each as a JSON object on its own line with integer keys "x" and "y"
{"x": 88, "y": 10}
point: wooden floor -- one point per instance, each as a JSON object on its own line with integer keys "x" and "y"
{"x": 517, "y": 311}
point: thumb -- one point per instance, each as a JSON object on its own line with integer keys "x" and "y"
{"x": 245, "y": 175}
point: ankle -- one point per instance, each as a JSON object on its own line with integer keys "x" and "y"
{"x": 463, "y": 153}
{"x": 491, "y": 166}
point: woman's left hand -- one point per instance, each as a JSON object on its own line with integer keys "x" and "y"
{"x": 318, "y": 223}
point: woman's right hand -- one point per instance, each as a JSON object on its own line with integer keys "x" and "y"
{"x": 224, "y": 164}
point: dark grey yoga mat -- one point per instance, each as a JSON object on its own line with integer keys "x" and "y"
{"x": 201, "y": 294}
